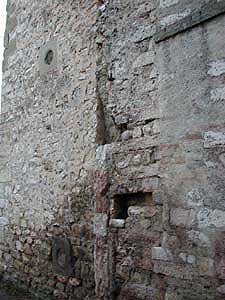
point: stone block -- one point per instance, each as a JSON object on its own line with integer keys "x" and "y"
{"x": 117, "y": 223}
{"x": 3, "y": 203}
{"x": 221, "y": 289}
{"x": 167, "y": 268}
{"x": 144, "y": 212}
{"x": 214, "y": 139}
{"x": 182, "y": 217}
{"x": 19, "y": 246}
{"x": 137, "y": 132}
{"x": 174, "y": 18}
{"x": 211, "y": 218}
{"x": 167, "y": 3}
{"x": 160, "y": 253}
{"x": 206, "y": 266}
{"x": 126, "y": 135}
{"x": 216, "y": 68}
{"x": 5, "y": 175}
{"x": 147, "y": 129}
{"x": 147, "y": 58}
{"x": 4, "y": 221}
{"x": 177, "y": 22}
{"x": 101, "y": 224}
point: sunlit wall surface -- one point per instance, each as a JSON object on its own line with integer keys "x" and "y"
{"x": 2, "y": 29}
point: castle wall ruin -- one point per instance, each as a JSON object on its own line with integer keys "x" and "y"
{"x": 112, "y": 149}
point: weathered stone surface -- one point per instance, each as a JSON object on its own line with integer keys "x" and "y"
{"x": 211, "y": 218}
{"x": 117, "y": 223}
{"x": 187, "y": 18}
{"x": 61, "y": 256}
{"x": 167, "y": 3}
{"x": 214, "y": 139}
{"x": 160, "y": 253}
{"x": 216, "y": 68}
{"x": 112, "y": 149}
{"x": 100, "y": 224}
{"x": 221, "y": 289}
{"x": 4, "y": 221}
{"x": 182, "y": 217}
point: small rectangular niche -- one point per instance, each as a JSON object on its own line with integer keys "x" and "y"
{"x": 122, "y": 202}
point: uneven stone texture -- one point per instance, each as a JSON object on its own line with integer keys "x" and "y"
{"x": 112, "y": 157}
{"x": 48, "y": 133}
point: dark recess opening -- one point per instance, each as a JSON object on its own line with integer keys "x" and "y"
{"x": 122, "y": 202}
{"x": 49, "y": 57}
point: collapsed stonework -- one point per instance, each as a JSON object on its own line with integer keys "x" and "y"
{"x": 112, "y": 155}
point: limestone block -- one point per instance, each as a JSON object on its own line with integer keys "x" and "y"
{"x": 217, "y": 95}
{"x": 171, "y": 19}
{"x": 145, "y": 211}
{"x": 191, "y": 259}
{"x": 100, "y": 224}
{"x": 216, "y": 68}
{"x": 4, "y": 221}
{"x": 221, "y": 289}
{"x": 5, "y": 175}
{"x": 143, "y": 33}
{"x": 160, "y": 253}
{"x": 147, "y": 58}
{"x": 211, "y": 218}
{"x": 167, "y": 3}
{"x": 171, "y": 269}
{"x": 19, "y": 246}
{"x": 137, "y": 132}
{"x": 136, "y": 159}
{"x": 199, "y": 238}
{"x": 183, "y": 256}
{"x": 2, "y": 203}
{"x": 147, "y": 129}
{"x": 126, "y": 135}
{"x": 182, "y": 217}
{"x": 206, "y": 266}
{"x": 74, "y": 282}
{"x": 117, "y": 223}
{"x": 156, "y": 127}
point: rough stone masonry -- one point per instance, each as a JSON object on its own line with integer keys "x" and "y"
{"x": 112, "y": 149}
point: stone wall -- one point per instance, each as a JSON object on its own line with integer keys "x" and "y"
{"x": 113, "y": 141}
{"x": 48, "y": 111}
{"x": 192, "y": 150}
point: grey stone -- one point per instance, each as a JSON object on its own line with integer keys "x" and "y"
{"x": 167, "y": 3}
{"x": 173, "y": 24}
{"x": 216, "y": 68}
{"x": 2, "y": 203}
{"x": 160, "y": 253}
{"x": 117, "y": 223}
{"x": 221, "y": 289}
{"x": 4, "y": 221}
{"x": 100, "y": 224}
{"x": 144, "y": 59}
{"x": 182, "y": 217}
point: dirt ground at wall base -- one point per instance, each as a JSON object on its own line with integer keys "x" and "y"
{"x": 10, "y": 292}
